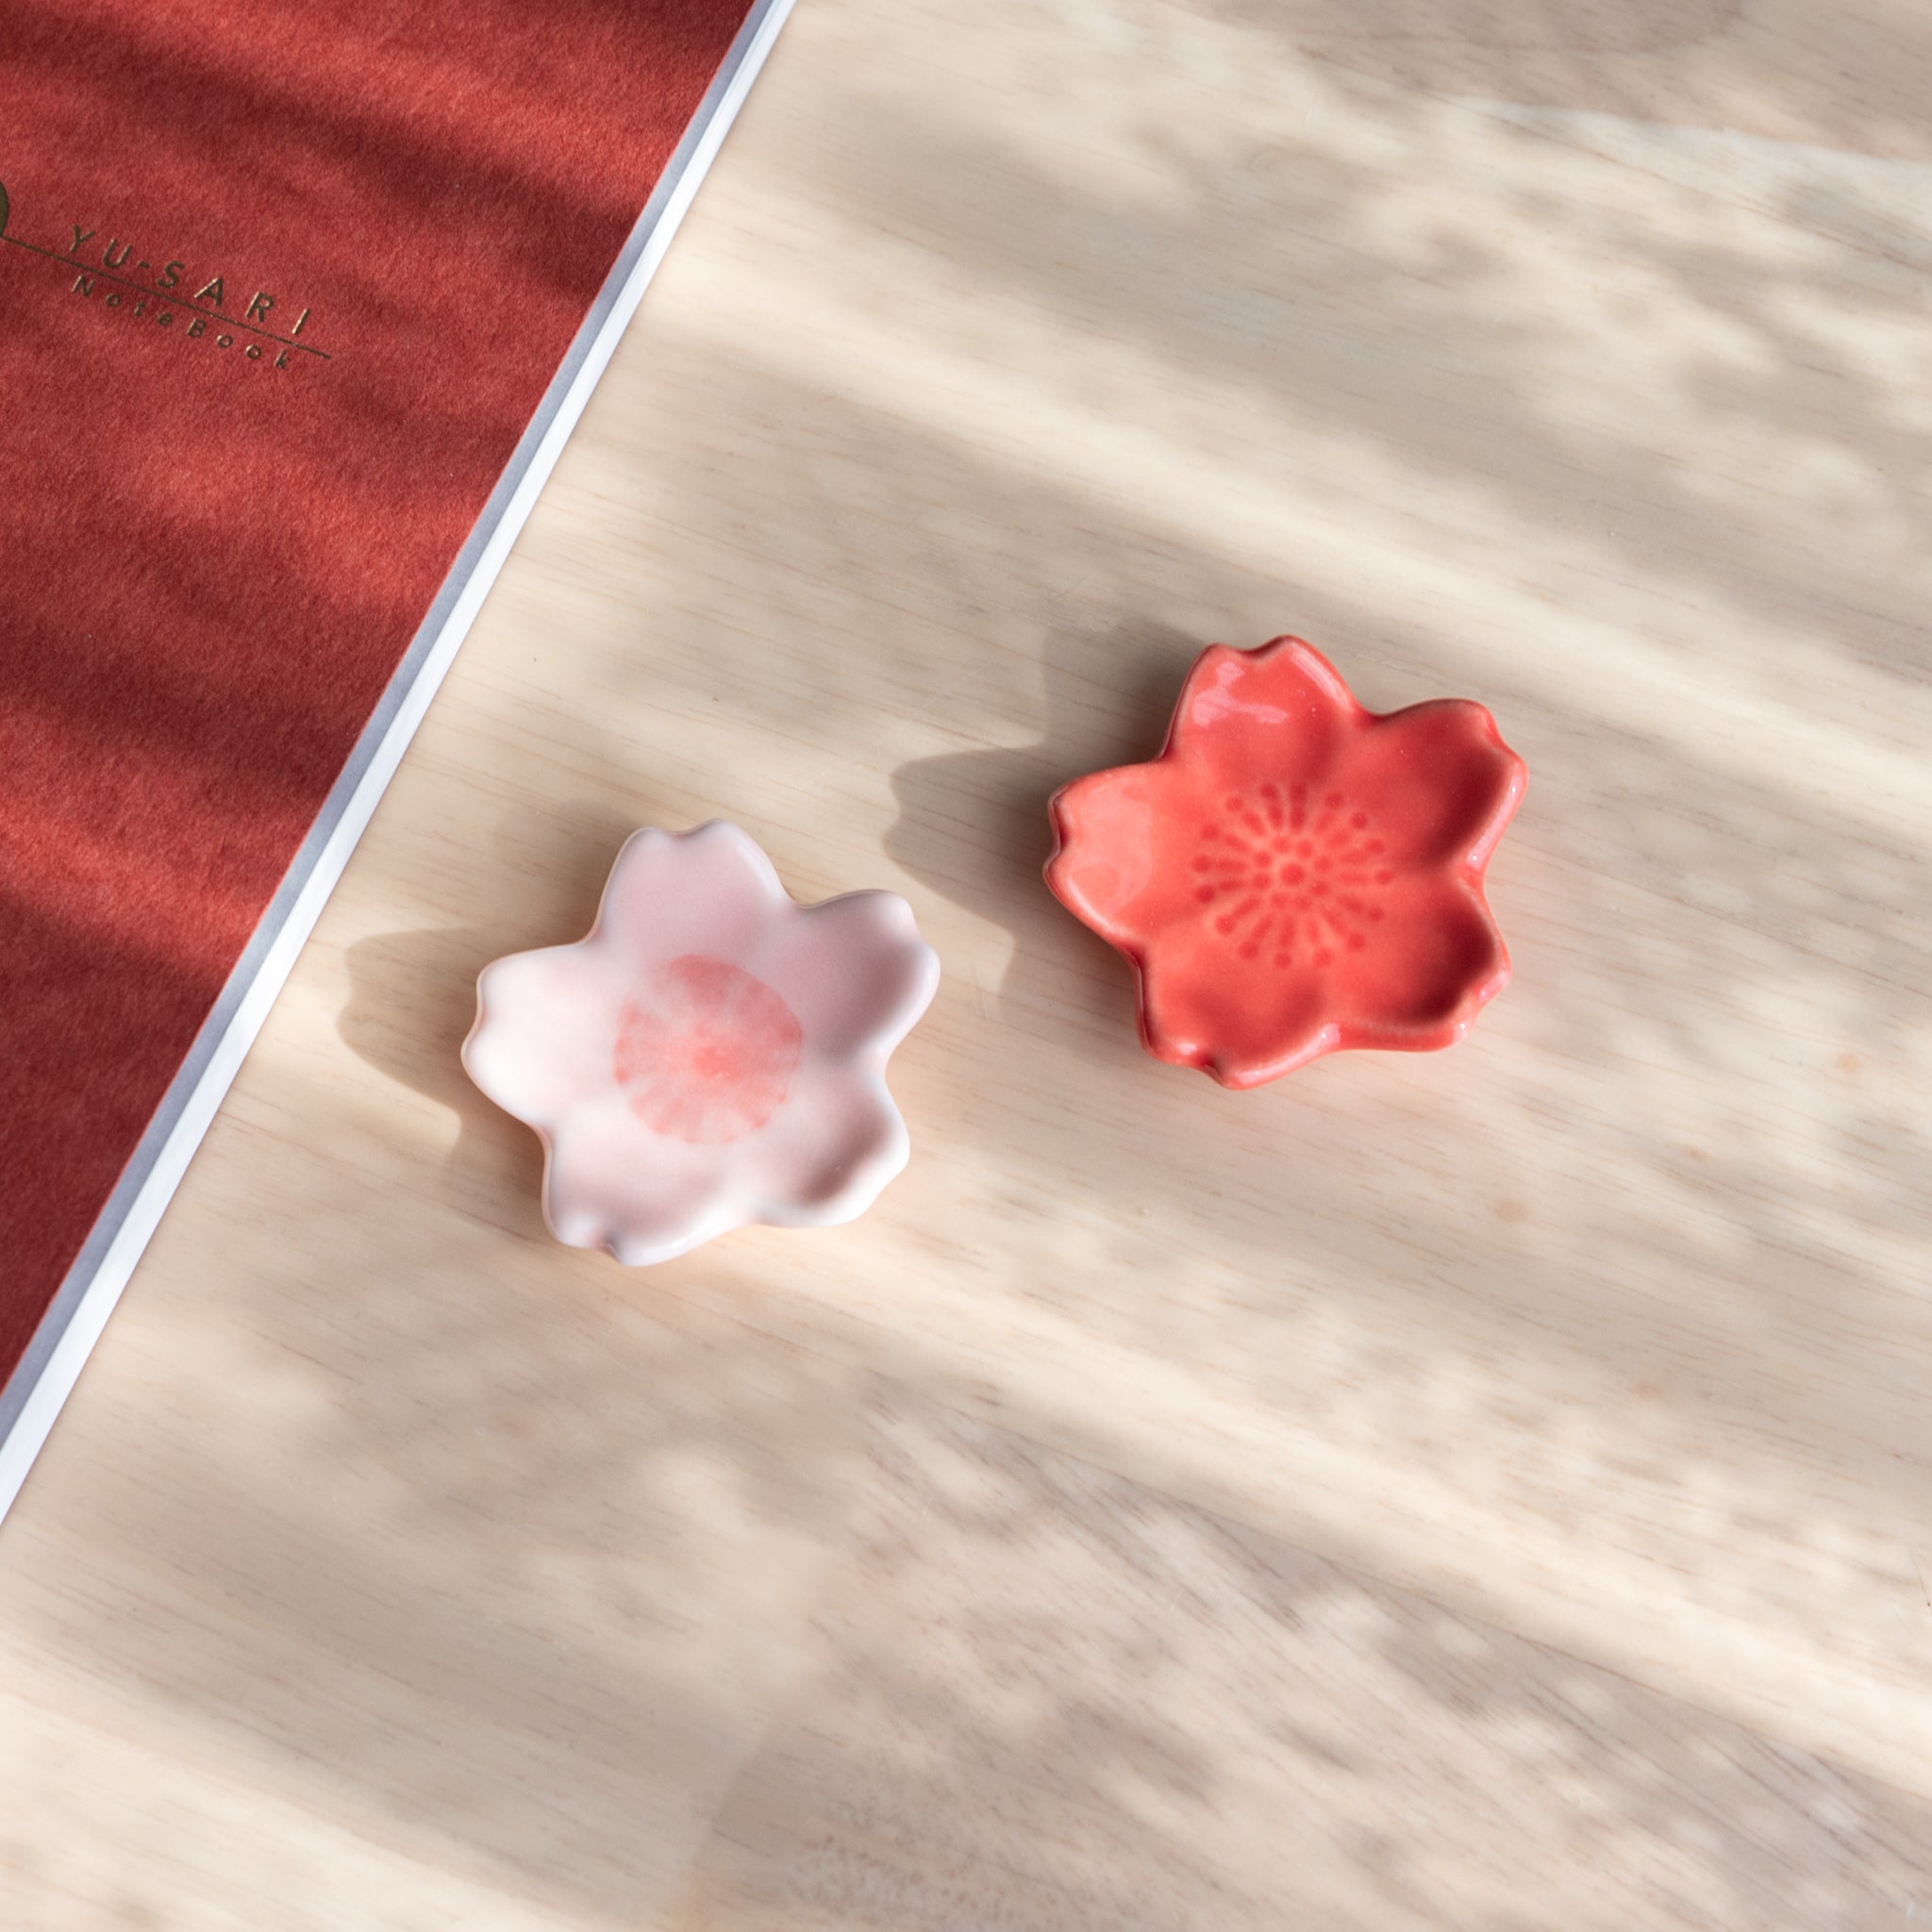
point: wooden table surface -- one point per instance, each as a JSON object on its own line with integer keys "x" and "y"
{"x": 1489, "y": 1489}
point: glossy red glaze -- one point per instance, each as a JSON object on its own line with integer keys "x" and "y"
{"x": 1294, "y": 874}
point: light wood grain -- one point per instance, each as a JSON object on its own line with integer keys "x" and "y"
{"x": 1051, "y": 1698}
{"x": 394, "y": 1567}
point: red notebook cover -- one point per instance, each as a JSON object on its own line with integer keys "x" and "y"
{"x": 296, "y": 306}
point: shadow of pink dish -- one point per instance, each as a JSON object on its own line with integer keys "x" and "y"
{"x": 711, "y": 1054}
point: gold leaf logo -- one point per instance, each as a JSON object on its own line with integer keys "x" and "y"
{"x": 143, "y": 292}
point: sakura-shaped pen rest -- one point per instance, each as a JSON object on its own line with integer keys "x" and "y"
{"x": 711, "y": 1054}
{"x": 1293, "y": 873}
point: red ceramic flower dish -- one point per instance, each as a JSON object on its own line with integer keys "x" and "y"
{"x": 1293, "y": 873}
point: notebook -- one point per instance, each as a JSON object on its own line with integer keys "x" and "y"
{"x": 297, "y": 306}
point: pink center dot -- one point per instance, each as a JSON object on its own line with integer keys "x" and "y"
{"x": 705, "y": 1053}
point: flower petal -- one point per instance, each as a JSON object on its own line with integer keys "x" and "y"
{"x": 546, "y": 1023}
{"x": 1242, "y": 1027}
{"x": 709, "y": 891}
{"x": 853, "y": 968}
{"x": 826, "y": 1157}
{"x": 1435, "y": 782}
{"x": 1282, "y": 708}
{"x": 611, "y": 1183}
{"x": 1119, "y": 834}
{"x": 1434, "y": 960}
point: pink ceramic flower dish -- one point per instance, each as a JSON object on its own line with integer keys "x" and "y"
{"x": 1293, "y": 873}
{"x": 711, "y": 1054}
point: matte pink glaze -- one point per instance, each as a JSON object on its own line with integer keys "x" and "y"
{"x": 712, "y": 1054}
{"x": 1294, "y": 874}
